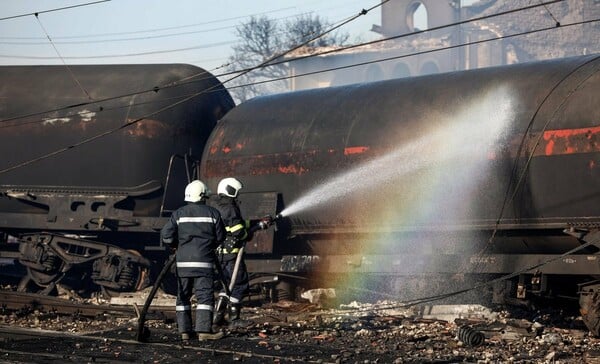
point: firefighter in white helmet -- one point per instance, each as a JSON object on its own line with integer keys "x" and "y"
{"x": 195, "y": 230}
{"x": 238, "y": 231}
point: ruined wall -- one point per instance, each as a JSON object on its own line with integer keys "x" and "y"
{"x": 556, "y": 42}
{"x": 563, "y": 41}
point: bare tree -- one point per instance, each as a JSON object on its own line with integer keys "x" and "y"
{"x": 262, "y": 38}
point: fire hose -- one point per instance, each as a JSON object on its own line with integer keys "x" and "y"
{"x": 143, "y": 332}
{"x": 261, "y": 225}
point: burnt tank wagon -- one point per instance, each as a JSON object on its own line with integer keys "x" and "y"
{"x": 93, "y": 159}
{"x": 488, "y": 171}
{"x": 482, "y": 173}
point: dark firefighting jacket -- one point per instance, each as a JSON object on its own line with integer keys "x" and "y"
{"x": 196, "y": 230}
{"x": 235, "y": 225}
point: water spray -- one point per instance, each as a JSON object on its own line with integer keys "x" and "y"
{"x": 485, "y": 119}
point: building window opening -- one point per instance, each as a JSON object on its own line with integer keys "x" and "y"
{"x": 429, "y": 68}
{"x": 374, "y": 73}
{"x": 417, "y": 17}
{"x": 401, "y": 70}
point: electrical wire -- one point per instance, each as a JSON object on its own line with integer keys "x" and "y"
{"x": 97, "y": 136}
{"x": 175, "y": 83}
{"x": 419, "y": 53}
{"x": 178, "y": 83}
{"x": 216, "y": 44}
{"x": 62, "y": 59}
{"x": 53, "y": 10}
{"x": 154, "y": 30}
{"x": 417, "y": 32}
{"x": 131, "y": 38}
{"x": 111, "y": 131}
{"x": 102, "y": 109}
{"x": 262, "y": 64}
{"x": 114, "y": 40}
{"x": 551, "y": 15}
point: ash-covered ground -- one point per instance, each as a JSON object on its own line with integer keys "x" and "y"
{"x": 285, "y": 331}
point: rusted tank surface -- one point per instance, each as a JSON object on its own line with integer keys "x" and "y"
{"x": 506, "y": 148}
{"x": 101, "y": 129}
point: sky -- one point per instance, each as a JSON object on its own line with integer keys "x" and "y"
{"x": 151, "y": 31}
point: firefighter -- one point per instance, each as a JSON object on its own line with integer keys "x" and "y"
{"x": 237, "y": 234}
{"x": 195, "y": 230}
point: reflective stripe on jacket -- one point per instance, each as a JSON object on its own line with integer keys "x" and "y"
{"x": 198, "y": 229}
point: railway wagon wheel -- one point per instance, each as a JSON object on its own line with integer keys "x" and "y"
{"x": 131, "y": 276}
{"x": 39, "y": 282}
{"x": 589, "y": 303}
{"x": 44, "y": 277}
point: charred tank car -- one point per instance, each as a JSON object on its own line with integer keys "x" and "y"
{"x": 93, "y": 158}
{"x": 490, "y": 172}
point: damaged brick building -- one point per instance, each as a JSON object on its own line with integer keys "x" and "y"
{"x": 419, "y": 37}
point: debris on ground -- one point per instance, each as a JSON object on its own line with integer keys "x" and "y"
{"x": 360, "y": 333}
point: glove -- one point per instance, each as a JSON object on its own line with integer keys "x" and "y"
{"x": 230, "y": 243}
{"x": 265, "y": 222}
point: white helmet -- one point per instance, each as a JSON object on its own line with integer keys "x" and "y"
{"x": 195, "y": 191}
{"x": 229, "y": 187}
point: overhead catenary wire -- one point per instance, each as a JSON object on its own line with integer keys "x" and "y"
{"x": 325, "y": 70}
{"x": 62, "y": 59}
{"x": 420, "y": 53}
{"x": 336, "y": 50}
{"x": 130, "y": 38}
{"x": 174, "y": 84}
{"x": 177, "y": 83}
{"x": 53, "y": 10}
{"x": 551, "y": 15}
{"x": 111, "y": 131}
{"x": 154, "y": 30}
{"x": 417, "y": 32}
{"x": 216, "y": 44}
{"x": 273, "y": 63}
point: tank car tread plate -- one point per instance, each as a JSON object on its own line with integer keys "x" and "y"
{"x": 139, "y": 190}
{"x": 409, "y": 264}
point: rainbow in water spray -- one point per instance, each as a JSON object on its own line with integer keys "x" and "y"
{"x": 485, "y": 119}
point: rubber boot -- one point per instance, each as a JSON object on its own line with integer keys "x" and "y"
{"x": 234, "y": 312}
{"x": 234, "y": 317}
{"x": 204, "y": 326}
{"x": 220, "y": 309}
{"x": 210, "y": 336}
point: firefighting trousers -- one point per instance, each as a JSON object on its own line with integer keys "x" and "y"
{"x": 241, "y": 287}
{"x": 202, "y": 287}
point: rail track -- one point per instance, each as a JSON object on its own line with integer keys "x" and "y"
{"x": 10, "y": 300}
{"x": 35, "y": 345}
{"x": 118, "y": 345}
